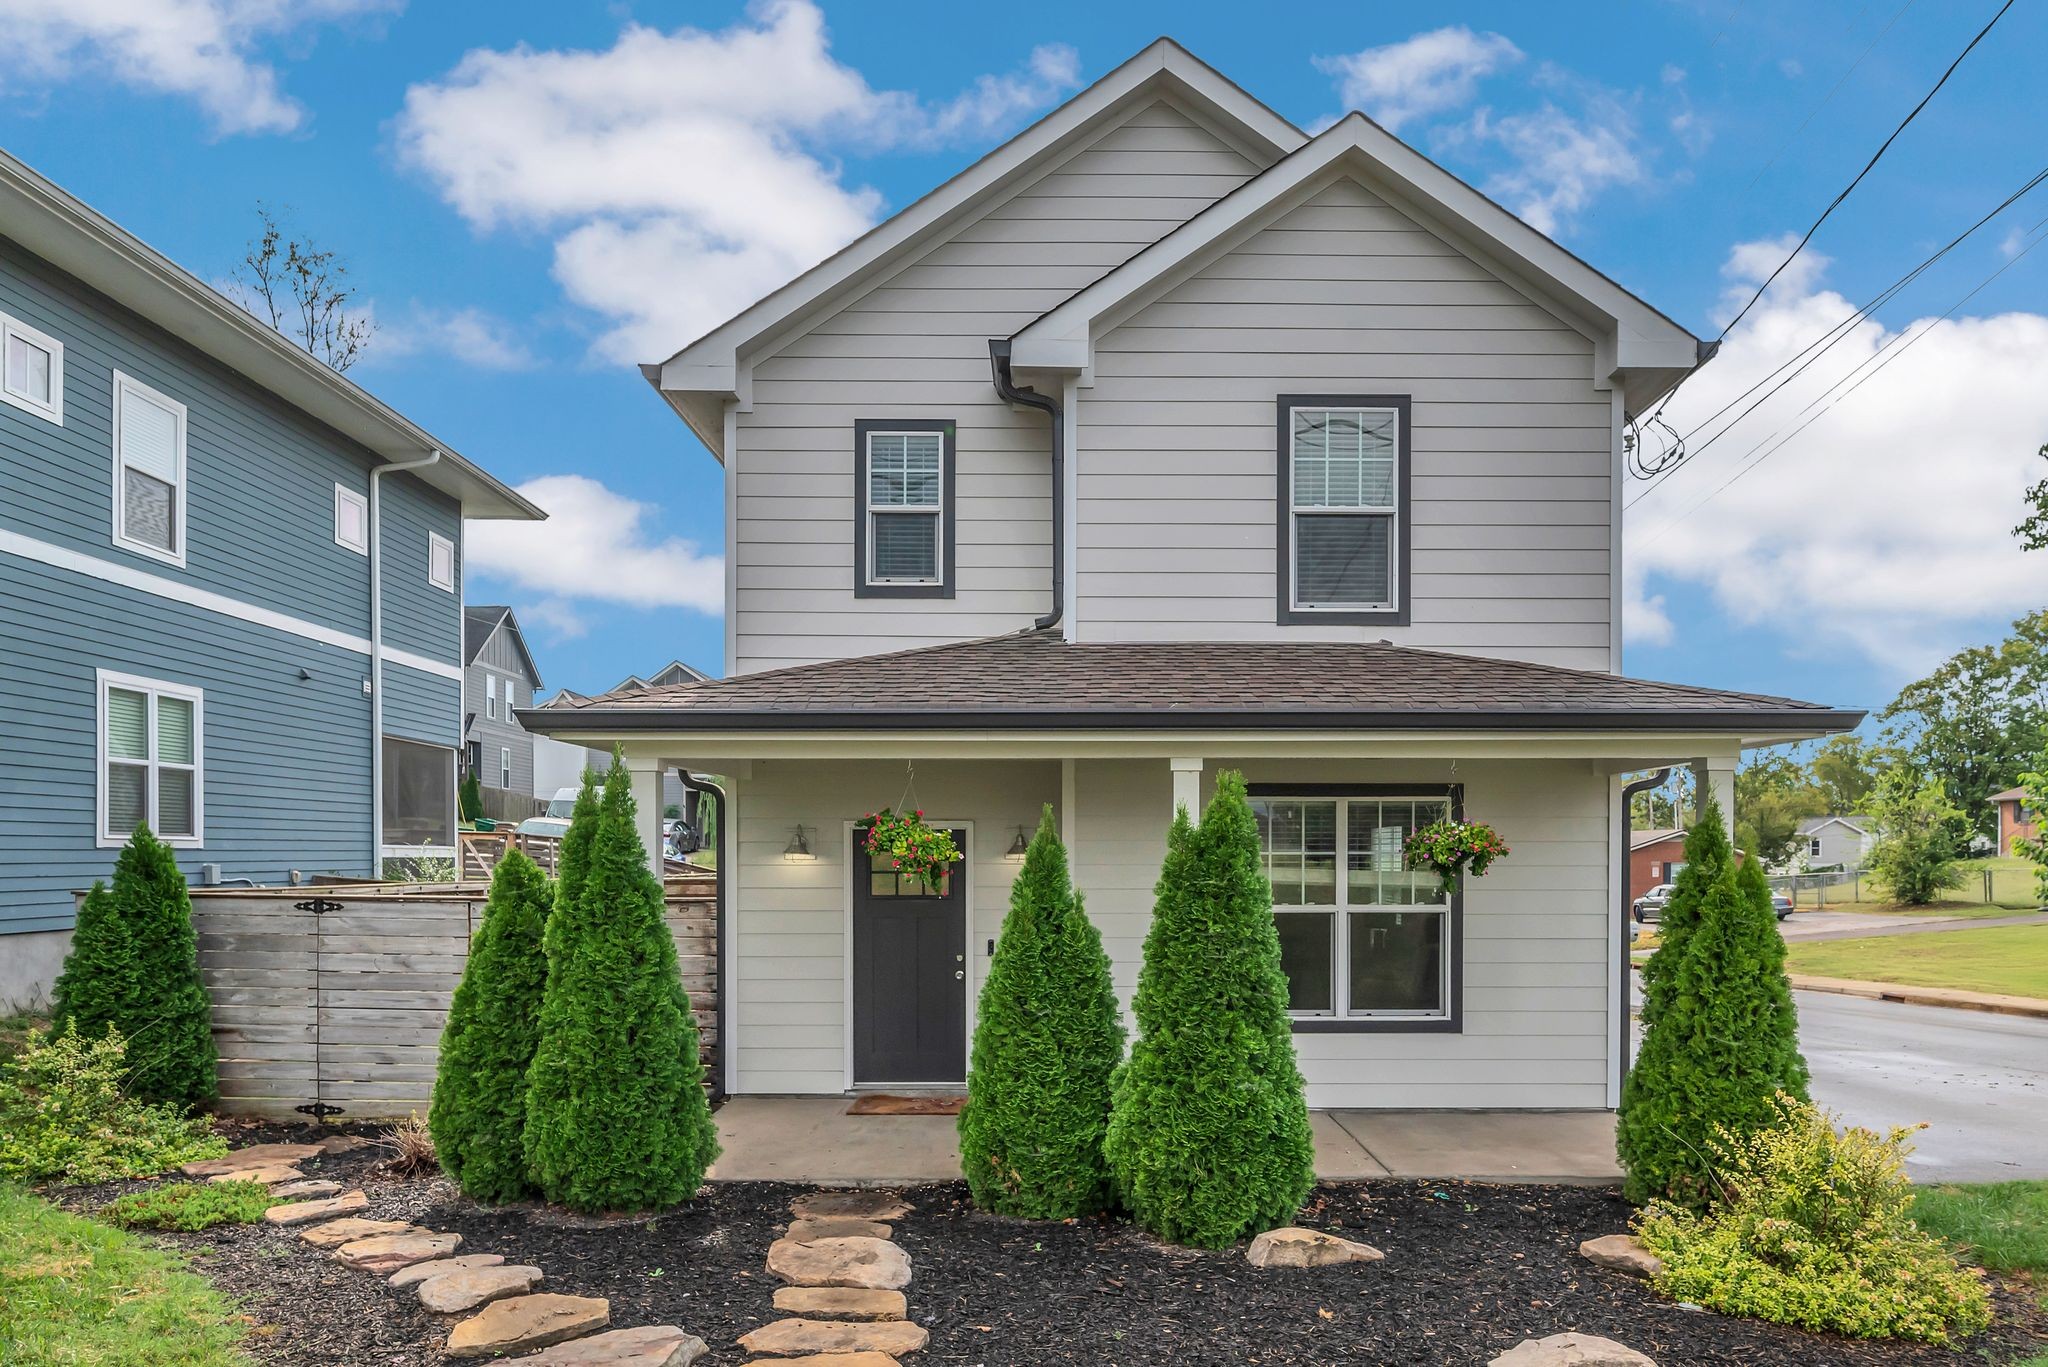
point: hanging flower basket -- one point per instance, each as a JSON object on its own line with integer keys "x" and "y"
{"x": 919, "y": 850}
{"x": 1454, "y": 848}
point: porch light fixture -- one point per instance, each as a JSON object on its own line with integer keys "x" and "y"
{"x": 798, "y": 849}
{"x": 1018, "y": 848}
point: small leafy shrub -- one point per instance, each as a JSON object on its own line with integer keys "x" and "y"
{"x": 186, "y": 1206}
{"x": 1915, "y": 854}
{"x": 1814, "y": 1227}
{"x": 64, "y": 1114}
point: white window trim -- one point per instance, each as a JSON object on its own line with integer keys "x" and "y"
{"x": 1340, "y": 927}
{"x": 490, "y": 697}
{"x": 936, "y": 510}
{"x": 125, "y": 383}
{"x": 347, "y": 497}
{"x": 52, "y": 411}
{"x": 434, "y": 542}
{"x": 106, "y": 679}
{"x": 1392, "y": 512}
{"x": 505, "y": 768}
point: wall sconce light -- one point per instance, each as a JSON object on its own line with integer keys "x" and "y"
{"x": 1018, "y": 848}
{"x": 798, "y": 849}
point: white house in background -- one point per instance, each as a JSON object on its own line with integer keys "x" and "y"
{"x": 1827, "y": 841}
{"x": 1162, "y": 440}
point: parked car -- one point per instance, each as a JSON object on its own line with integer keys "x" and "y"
{"x": 1650, "y": 905}
{"x": 553, "y": 826}
{"x": 1781, "y": 904}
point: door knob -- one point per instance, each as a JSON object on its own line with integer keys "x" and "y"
{"x": 960, "y": 973}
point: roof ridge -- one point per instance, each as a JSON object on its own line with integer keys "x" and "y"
{"x": 709, "y": 685}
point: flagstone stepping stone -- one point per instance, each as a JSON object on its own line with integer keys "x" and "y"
{"x": 871, "y": 1264}
{"x": 386, "y": 1253}
{"x": 304, "y": 1190}
{"x": 1623, "y": 1253}
{"x": 837, "y": 1360}
{"x": 344, "y": 1143}
{"x": 335, "y": 1233}
{"x": 255, "y": 1156}
{"x": 1568, "y": 1350}
{"x": 1298, "y": 1247}
{"x": 465, "y": 1289}
{"x": 851, "y": 1205}
{"x": 835, "y": 1227}
{"x": 651, "y": 1345}
{"x": 523, "y": 1322}
{"x": 789, "y": 1338}
{"x": 305, "y": 1212}
{"x": 419, "y": 1272}
{"x": 840, "y": 1302}
{"x": 276, "y": 1172}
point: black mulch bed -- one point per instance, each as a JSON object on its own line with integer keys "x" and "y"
{"x": 1471, "y": 1270}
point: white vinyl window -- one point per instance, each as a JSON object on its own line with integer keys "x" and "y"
{"x": 149, "y": 471}
{"x": 440, "y": 562}
{"x": 1813, "y": 848}
{"x": 351, "y": 520}
{"x": 151, "y": 760}
{"x": 31, "y": 370}
{"x": 1362, "y": 936}
{"x": 505, "y": 769}
{"x": 1344, "y": 485}
{"x": 905, "y": 507}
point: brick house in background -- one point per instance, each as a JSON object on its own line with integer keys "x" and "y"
{"x": 2015, "y": 819}
{"x": 1653, "y": 857}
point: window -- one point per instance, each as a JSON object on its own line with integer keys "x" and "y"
{"x": 351, "y": 520}
{"x": 903, "y": 506}
{"x": 419, "y": 797}
{"x": 149, "y": 471}
{"x": 505, "y": 769}
{"x": 1364, "y": 940}
{"x": 151, "y": 759}
{"x": 491, "y": 696}
{"x": 440, "y": 562}
{"x": 1343, "y": 507}
{"x": 31, "y": 370}
{"x": 1813, "y": 848}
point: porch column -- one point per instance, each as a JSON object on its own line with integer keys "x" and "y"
{"x": 1187, "y": 785}
{"x": 645, "y": 773}
{"x": 1714, "y": 777}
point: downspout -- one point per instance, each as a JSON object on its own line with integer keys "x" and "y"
{"x": 1628, "y": 797}
{"x": 377, "y": 656}
{"x": 999, "y": 363}
{"x": 696, "y": 783}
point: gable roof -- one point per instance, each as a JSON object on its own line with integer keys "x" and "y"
{"x": 1643, "y": 839}
{"x": 1858, "y": 824}
{"x": 483, "y": 621}
{"x": 1646, "y": 350}
{"x": 2009, "y": 795}
{"x": 698, "y": 378}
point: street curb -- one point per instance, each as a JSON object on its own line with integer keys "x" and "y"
{"x": 1992, "y": 1002}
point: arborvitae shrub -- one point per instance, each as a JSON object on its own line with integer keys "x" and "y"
{"x": 1209, "y": 1136}
{"x": 471, "y": 796}
{"x": 97, "y": 987}
{"x": 1046, "y": 1040}
{"x": 479, "y": 1111}
{"x": 616, "y": 1117}
{"x": 572, "y": 859}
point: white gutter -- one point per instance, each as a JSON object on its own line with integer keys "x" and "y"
{"x": 377, "y": 656}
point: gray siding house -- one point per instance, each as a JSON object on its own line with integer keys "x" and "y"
{"x": 191, "y": 513}
{"x": 498, "y": 675}
{"x": 1827, "y": 842}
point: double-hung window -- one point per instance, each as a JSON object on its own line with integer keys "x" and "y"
{"x": 505, "y": 768}
{"x": 31, "y": 370}
{"x": 491, "y": 697}
{"x": 903, "y": 499}
{"x": 1343, "y": 503}
{"x": 149, "y": 471}
{"x": 151, "y": 759}
{"x": 1363, "y": 938}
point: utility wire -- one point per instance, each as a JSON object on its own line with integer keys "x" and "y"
{"x": 1828, "y": 98}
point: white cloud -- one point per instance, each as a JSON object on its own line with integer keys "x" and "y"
{"x": 471, "y": 336}
{"x": 1886, "y": 525}
{"x": 685, "y": 173}
{"x": 597, "y": 547}
{"x": 1419, "y": 76}
{"x": 205, "y": 50}
{"x": 554, "y": 619}
{"x": 1561, "y": 161}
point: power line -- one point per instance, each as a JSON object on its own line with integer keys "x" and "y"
{"x": 1828, "y": 98}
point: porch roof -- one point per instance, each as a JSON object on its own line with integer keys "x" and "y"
{"x": 1037, "y": 679}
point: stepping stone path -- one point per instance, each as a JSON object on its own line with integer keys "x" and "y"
{"x": 304, "y": 1190}
{"x": 844, "y": 1285}
{"x": 335, "y": 1233}
{"x": 253, "y": 1158}
{"x": 525, "y": 1322}
{"x": 306, "y": 1212}
{"x": 384, "y": 1254}
{"x": 454, "y": 1292}
{"x": 419, "y": 1272}
{"x": 658, "y": 1345}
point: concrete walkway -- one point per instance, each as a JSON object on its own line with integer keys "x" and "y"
{"x": 812, "y": 1140}
{"x": 1851, "y": 925}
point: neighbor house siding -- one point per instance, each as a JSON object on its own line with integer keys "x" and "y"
{"x": 1510, "y": 487}
{"x": 915, "y": 345}
{"x": 500, "y": 660}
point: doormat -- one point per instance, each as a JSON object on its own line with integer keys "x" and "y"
{"x": 880, "y": 1103}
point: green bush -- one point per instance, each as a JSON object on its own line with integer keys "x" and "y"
{"x": 479, "y": 1110}
{"x": 471, "y": 796}
{"x": 64, "y": 1114}
{"x": 1208, "y": 1135}
{"x": 1046, "y": 1040}
{"x": 136, "y": 969}
{"x": 616, "y": 1117}
{"x": 1914, "y": 855}
{"x": 572, "y": 859}
{"x": 186, "y": 1206}
{"x": 1814, "y": 1228}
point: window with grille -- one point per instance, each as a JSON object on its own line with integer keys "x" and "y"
{"x": 151, "y": 759}
{"x": 31, "y": 370}
{"x": 904, "y": 502}
{"x": 149, "y": 471}
{"x": 1342, "y": 486}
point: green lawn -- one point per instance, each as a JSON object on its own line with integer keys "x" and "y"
{"x": 2009, "y": 959}
{"x": 2013, "y": 888}
{"x": 78, "y": 1293}
{"x": 2001, "y": 1225}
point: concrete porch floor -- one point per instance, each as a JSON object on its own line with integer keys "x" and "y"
{"x": 812, "y": 1139}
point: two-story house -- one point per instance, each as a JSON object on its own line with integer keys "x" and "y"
{"x": 498, "y": 676}
{"x": 1164, "y": 439}
{"x": 212, "y": 550}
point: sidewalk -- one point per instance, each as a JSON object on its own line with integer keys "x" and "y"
{"x": 1871, "y": 925}
{"x": 1995, "y": 1002}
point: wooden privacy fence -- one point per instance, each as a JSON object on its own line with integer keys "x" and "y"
{"x": 330, "y": 1001}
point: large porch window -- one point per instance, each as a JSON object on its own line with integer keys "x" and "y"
{"x": 1362, "y": 937}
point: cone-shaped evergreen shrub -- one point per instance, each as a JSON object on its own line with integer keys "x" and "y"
{"x": 616, "y": 1117}
{"x": 1046, "y": 1041}
{"x": 572, "y": 860}
{"x": 1707, "y": 852}
{"x": 471, "y": 797}
{"x": 1208, "y": 1135}
{"x": 479, "y": 1112}
{"x": 97, "y": 988}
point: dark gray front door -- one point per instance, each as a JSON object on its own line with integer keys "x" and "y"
{"x": 909, "y": 974}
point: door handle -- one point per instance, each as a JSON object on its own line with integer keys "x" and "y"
{"x": 959, "y": 973}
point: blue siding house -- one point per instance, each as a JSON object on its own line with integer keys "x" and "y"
{"x": 192, "y": 514}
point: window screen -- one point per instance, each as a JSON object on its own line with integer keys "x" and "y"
{"x": 419, "y": 794}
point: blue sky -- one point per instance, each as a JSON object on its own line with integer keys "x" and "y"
{"x": 530, "y": 196}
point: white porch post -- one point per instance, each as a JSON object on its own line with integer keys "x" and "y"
{"x": 1187, "y": 785}
{"x": 645, "y": 773}
{"x": 1714, "y": 777}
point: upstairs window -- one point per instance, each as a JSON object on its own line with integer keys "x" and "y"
{"x": 491, "y": 697}
{"x": 149, "y": 471}
{"x": 150, "y": 759}
{"x": 440, "y": 562}
{"x": 903, "y": 531}
{"x": 31, "y": 370}
{"x": 1343, "y": 503}
{"x": 351, "y": 520}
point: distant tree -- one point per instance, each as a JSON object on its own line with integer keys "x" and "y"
{"x": 303, "y": 291}
{"x": 1773, "y": 794}
{"x": 2033, "y": 531}
{"x": 1914, "y": 855}
{"x": 1845, "y": 769}
{"x": 1663, "y": 807}
{"x": 2035, "y": 848}
{"x": 471, "y": 796}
